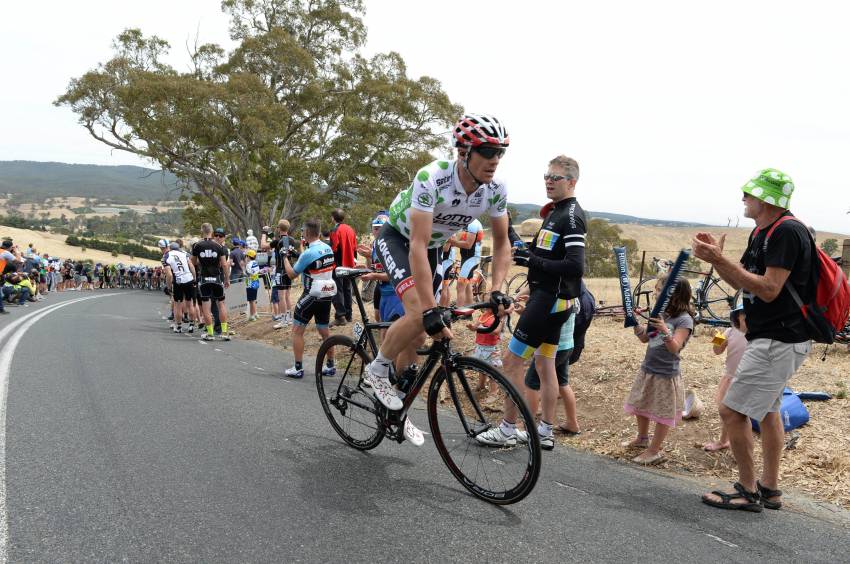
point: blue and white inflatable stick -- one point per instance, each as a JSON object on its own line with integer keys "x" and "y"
{"x": 625, "y": 287}
{"x": 670, "y": 285}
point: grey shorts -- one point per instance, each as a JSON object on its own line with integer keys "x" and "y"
{"x": 763, "y": 373}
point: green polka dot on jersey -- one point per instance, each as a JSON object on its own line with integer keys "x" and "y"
{"x": 423, "y": 176}
{"x": 443, "y": 164}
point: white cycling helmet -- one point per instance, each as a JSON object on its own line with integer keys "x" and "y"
{"x": 163, "y": 243}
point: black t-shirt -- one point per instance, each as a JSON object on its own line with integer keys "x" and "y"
{"x": 789, "y": 247}
{"x": 208, "y": 253}
{"x": 282, "y": 248}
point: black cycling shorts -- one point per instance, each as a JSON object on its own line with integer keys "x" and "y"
{"x": 308, "y": 307}
{"x": 183, "y": 292}
{"x": 211, "y": 291}
{"x": 394, "y": 255}
{"x": 539, "y": 325}
{"x": 282, "y": 281}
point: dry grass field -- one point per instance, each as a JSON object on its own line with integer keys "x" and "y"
{"x": 64, "y": 206}
{"x": 818, "y": 466}
{"x": 54, "y": 244}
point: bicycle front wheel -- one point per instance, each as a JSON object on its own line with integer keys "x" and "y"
{"x": 352, "y": 411}
{"x": 468, "y": 402}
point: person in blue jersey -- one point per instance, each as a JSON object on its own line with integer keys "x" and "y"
{"x": 468, "y": 242}
{"x": 316, "y": 264}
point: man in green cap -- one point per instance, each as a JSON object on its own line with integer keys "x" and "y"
{"x": 779, "y": 255}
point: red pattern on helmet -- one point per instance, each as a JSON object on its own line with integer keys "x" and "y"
{"x": 474, "y": 130}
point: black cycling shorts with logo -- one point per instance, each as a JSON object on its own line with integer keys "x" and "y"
{"x": 308, "y": 307}
{"x": 394, "y": 255}
{"x": 183, "y": 292}
{"x": 211, "y": 291}
{"x": 282, "y": 281}
{"x": 539, "y": 325}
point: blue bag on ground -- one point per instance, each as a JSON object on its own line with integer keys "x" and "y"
{"x": 792, "y": 411}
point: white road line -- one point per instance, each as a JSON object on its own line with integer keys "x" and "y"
{"x": 243, "y": 362}
{"x": 6, "y": 355}
{"x": 217, "y": 350}
{"x": 721, "y": 541}
{"x": 570, "y": 487}
{"x": 259, "y": 368}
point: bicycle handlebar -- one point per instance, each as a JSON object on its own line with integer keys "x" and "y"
{"x": 466, "y": 311}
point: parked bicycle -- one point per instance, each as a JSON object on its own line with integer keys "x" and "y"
{"x": 464, "y": 399}
{"x": 479, "y": 280}
{"x": 713, "y": 298}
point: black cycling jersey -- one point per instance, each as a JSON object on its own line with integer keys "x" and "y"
{"x": 556, "y": 264}
{"x": 208, "y": 253}
{"x": 283, "y": 247}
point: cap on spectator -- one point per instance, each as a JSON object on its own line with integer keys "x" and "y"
{"x": 235, "y": 241}
{"x": 219, "y": 232}
{"x": 251, "y": 253}
{"x": 162, "y": 243}
{"x": 174, "y": 246}
{"x": 7, "y": 244}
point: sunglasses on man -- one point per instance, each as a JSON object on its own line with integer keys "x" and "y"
{"x": 488, "y": 152}
{"x": 556, "y": 177}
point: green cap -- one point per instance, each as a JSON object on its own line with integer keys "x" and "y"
{"x": 772, "y": 187}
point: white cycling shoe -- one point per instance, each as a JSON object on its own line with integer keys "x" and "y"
{"x": 413, "y": 434}
{"x": 383, "y": 390}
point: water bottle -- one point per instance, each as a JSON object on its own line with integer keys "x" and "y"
{"x": 787, "y": 418}
{"x": 405, "y": 379}
{"x": 518, "y": 244}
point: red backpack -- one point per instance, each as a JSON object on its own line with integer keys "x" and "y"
{"x": 828, "y": 314}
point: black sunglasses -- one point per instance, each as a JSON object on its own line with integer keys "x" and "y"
{"x": 556, "y": 177}
{"x": 489, "y": 152}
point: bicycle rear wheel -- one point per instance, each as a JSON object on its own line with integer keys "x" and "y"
{"x": 457, "y": 413}
{"x": 719, "y": 300}
{"x": 643, "y": 296}
{"x": 353, "y": 413}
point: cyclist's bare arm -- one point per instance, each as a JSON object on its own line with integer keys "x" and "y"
{"x": 501, "y": 249}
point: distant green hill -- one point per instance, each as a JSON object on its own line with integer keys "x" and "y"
{"x": 527, "y": 211}
{"x": 120, "y": 184}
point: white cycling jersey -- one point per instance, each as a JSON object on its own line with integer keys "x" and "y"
{"x": 437, "y": 190}
{"x": 178, "y": 261}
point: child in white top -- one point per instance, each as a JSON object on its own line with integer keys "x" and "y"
{"x": 734, "y": 342}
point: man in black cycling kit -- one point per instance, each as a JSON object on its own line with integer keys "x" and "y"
{"x": 444, "y": 197}
{"x": 555, "y": 263}
{"x": 213, "y": 277}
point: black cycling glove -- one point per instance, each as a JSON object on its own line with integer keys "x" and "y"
{"x": 521, "y": 256}
{"x": 498, "y": 298}
{"x": 434, "y": 320}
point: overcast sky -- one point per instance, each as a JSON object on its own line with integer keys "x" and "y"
{"x": 669, "y": 107}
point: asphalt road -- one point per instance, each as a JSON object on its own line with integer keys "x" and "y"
{"x": 125, "y": 442}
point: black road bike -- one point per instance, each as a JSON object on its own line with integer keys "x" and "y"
{"x": 465, "y": 398}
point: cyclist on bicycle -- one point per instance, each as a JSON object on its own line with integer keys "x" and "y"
{"x": 444, "y": 198}
{"x": 555, "y": 261}
{"x": 469, "y": 243}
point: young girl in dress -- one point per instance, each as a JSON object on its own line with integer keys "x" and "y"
{"x": 733, "y": 341}
{"x": 658, "y": 393}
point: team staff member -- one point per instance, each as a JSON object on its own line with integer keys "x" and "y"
{"x": 317, "y": 265}
{"x": 213, "y": 277}
{"x": 555, "y": 263}
{"x": 180, "y": 276}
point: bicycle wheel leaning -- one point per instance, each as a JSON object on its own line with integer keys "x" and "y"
{"x": 719, "y": 300}
{"x": 643, "y": 296}
{"x": 513, "y": 286}
{"x": 352, "y": 412}
{"x": 467, "y": 402}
